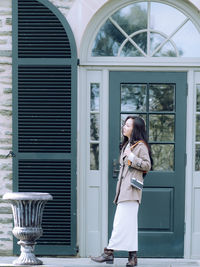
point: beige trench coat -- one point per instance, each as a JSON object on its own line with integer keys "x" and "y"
{"x": 141, "y": 162}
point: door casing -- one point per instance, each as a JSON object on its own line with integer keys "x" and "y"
{"x": 152, "y": 77}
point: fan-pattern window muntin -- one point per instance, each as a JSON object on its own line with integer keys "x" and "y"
{"x": 147, "y": 29}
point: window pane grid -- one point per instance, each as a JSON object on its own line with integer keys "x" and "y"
{"x": 160, "y": 124}
{"x": 94, "y": 125}
{"x": 197, "y": 129}
{"x": 198, "y": 99}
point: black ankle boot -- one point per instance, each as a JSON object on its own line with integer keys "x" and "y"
{"x": 107, "y": 256}
{"x": 132, "y": 259}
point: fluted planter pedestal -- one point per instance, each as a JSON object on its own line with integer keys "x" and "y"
{"x": 27, "y": 212}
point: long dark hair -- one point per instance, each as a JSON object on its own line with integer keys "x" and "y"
{"x": 138, "y": 133}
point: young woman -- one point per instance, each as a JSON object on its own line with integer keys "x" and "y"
{"x": 135, "y": 161}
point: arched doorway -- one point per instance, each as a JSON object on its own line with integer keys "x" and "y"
{"x": 145, "y": 47}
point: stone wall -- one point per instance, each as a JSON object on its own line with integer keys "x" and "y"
{"x": 6, "y": 243}
{"x": 5, "y": 124}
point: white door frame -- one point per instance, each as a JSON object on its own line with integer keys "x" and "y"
{"x": 83, "y": 162}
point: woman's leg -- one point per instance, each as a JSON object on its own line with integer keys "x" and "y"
{"x": 107, "y": 256}
{"x": 132, "y": 255}
{"x": 125, "y": 227}
{"x": 132, "y": 259}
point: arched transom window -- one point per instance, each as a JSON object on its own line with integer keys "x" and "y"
{"x": 147, "y": 29}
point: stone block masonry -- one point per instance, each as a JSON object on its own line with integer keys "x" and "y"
{"x": 6, "y": 244}
{"x": 6, "y": 238}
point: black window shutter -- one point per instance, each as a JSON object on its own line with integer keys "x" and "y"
{"x": 45, "y": 118}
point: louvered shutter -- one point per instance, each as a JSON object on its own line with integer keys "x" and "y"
{"x": 44, "y": 118}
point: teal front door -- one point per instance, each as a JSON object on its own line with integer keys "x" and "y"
{"x": 160, "y": 98}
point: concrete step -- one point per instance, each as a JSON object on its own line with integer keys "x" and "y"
{"x": 120, "y": 262}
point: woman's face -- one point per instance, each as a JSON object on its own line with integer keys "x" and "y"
{"x": 128, "y": 128}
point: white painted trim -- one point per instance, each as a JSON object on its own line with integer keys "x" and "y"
{"x": 81, "y": 161}
{"x": 195, "y": 3}
{"x": 196, "y": 183}
{"x": 104, "y": 158}
{"x": 142, "y": 68}
{"x": 189, "y": 166}
{"x": 143, "y": 62}
{"x": 93, "y": 181}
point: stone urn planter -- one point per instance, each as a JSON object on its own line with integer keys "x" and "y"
{"x": 27, "y": 212}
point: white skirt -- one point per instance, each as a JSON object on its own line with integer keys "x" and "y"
{"x": 125, "y": 227}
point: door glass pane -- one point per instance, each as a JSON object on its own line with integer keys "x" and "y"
{"x": 141, "y": 40}
{"x": 94, "y": 126}
{"x": 197, "y": 158}
{"x": 165, "y": 18}
{"x": 161, "y": 127}
{"x": 133, "y": 97}
{"x": 198, "y": 98}
{"x": 94, "y": 156}
{"x": 163, "y": 157}
{"x": 186, "y": 47}
{"x": 166, "y": 51}
{"x": 124, "y": 17}
{"x": 124, "y": 116}
{"x": 108, "y": 41}
{"x": 198, "y": 127}
{"x": 161, "y": 97}
{"x": 94, "y": 96}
